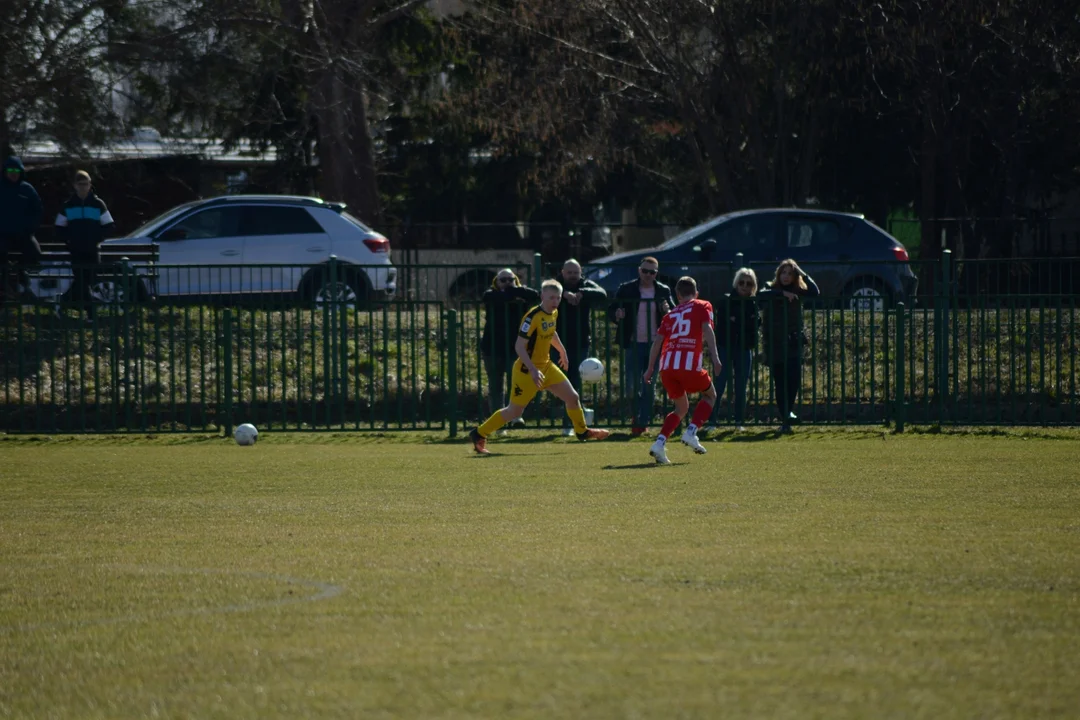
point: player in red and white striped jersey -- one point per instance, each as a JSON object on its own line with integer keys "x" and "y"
{"x": 680, "y": 342}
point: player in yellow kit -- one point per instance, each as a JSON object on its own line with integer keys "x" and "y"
{"x": 534, "y": 371}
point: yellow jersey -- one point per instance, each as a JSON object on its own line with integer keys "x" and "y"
{"x": 538, "y": 328}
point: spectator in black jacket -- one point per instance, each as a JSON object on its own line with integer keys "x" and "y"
{"x": 784, "y": 336}
{"x": 579, "y": 297}
{"x": 737, "y": 323}
{"x": 505, "y": 303}
{"x": 637, "y": 309}
{"x": 20, "y": 216}
{"x": 83, "y": 223}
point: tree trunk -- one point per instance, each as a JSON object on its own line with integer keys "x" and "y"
{"x": 334, "y": 148}
{"x": 930, "y": 244}
{"x": 363, "y": 155}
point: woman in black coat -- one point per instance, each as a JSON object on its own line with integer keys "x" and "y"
{"x": 737, "y": 323}
{"x": 784, "y": 335}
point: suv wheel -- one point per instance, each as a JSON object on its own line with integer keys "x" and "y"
{"x": 867, "y": 294}
{"x": 348, "y": 290}
{"x": 109, "y": 291}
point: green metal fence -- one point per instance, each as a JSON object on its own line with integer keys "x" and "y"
{"x": 287, "y": 361}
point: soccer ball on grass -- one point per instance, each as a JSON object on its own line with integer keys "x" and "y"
{"x": 246, "y": 434}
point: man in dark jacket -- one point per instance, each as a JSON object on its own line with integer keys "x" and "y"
{"x": 637, "y": 309}
{"x": 83, "y": 223}
{"x": 20, "y": 215}
{"x": 505, "y": 303}
{"x": 580, "y": 296}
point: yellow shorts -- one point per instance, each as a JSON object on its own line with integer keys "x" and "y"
{"x": 522, "y": 387}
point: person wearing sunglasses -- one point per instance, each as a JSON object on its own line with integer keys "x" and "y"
{"x": 738, "y": 321}
{"x": 637, "y": 309}
{"x": 20, "y": 216}
{"x": 83, "y": 223}
{"x": 505, "y": 302}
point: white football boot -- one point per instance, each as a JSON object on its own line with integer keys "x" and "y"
{"x": 690, "y": 439}
{"x": 658, "y": 451}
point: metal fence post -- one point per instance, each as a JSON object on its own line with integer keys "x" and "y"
{"x": 900, "y": 409}
{"x": 227, "y": 369}
{"x": 451, "y": 370}
{"x": 945, "y": 298}
{"x": 538, "y": 269}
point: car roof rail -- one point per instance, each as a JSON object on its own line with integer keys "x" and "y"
{"x": 280, "y": 199}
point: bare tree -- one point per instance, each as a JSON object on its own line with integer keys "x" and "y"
{"x": 746, "y": 87}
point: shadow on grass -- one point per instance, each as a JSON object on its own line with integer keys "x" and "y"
{"x": 642, "y": 466}
{"x": 732, "y": 436}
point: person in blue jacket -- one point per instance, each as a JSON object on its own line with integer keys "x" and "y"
{"x": 82, "y": 224}
{"x": 20, "y": 216}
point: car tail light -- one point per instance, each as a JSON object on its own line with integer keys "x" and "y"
{"x": 377, "y": 244}
{"x": 900, "y": 252}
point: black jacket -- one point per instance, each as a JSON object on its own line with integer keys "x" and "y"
{"x": 573, "y": 321}
{"x": 627, "y": 297}
{"x": 83, "y": 223}
{"x": 503, "y": 310}
{"x": 20, "y": 205}
{"x": 737, "y": 322}
{"x": 783, "y": 326}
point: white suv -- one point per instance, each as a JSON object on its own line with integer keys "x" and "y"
{"x": 245, "y": 245}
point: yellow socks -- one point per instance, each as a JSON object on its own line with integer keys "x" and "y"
{"x": 577, "y": 416}
{"x": 492, "y": 424}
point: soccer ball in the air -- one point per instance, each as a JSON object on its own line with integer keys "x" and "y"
{"x": 592, "y": 370}
{"x": 246, "y": 434}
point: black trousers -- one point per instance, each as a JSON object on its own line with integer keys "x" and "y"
{"x": 787, "y": 379}
{"x": 21, "y": 249}
{"x": 84, "y": 270}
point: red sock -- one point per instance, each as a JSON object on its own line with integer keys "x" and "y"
{"x": 701, "y": 413}
{"x": 670, "y": 423}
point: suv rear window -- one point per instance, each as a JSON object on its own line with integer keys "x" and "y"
{"x": 356, "y": 222}
{"x": 276, "y": 220}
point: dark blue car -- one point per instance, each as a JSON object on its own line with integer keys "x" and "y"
{"x": 848, "y": 256}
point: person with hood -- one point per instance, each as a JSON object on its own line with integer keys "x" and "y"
{"x": 505, "y": 302}
{"x": 580, "y": 296}
{"x": 20, "y": 216}
{"x": 83, "y": 223}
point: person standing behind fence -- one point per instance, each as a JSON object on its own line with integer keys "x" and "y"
{"x": 20, "y": 216}
{"x": 637, "y": 308}
{"x": 82, "y": 224}
{"x": 785, "y": 339}
{"x": 505, "y": 302}
{"x": 579, "y": 297}
{"x": 738, "y": 321}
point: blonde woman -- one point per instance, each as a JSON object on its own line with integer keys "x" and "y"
{"x": 784, "y": 339}
{"x": 737, "y": 323}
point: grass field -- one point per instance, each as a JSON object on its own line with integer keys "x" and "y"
{"x": 833, "y": 574}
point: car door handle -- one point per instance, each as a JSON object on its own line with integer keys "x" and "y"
{"x": 230, "y": 253}
{"x": 316, "y": 248}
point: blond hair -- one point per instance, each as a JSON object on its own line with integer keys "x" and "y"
{"x": 552, "y": 283}
{"x": 745, "y": 272}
